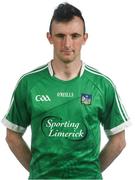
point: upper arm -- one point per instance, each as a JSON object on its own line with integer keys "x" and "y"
{"x": 114, "y": 117}
{"x": 118, "y": 140}
{"x": 18, "y": 116}
{"x": 12, "y": 135}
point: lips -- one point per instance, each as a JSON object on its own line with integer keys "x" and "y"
{"x": 67, "y": 51}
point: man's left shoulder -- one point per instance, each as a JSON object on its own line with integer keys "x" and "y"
{"x": 98, "y": 76}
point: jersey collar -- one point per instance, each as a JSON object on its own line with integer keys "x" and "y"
{"x": 52, "y": 72}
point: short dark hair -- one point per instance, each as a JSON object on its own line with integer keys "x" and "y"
{"x": 65, "y": 12}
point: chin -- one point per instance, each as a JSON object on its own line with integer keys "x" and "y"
{"x": 66, "y": 61}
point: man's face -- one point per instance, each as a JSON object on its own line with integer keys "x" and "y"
{"x": 67, "y": 39}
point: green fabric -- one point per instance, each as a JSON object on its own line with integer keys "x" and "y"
{"x": 65, "y": 118}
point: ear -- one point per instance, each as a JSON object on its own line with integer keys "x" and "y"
{"x": 85, "y": 37}
{"x": 49, "y": 37}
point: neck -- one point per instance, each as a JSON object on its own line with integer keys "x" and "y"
{"x": 66, "y": 71}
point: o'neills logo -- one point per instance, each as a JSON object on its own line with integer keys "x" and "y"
{"x": 54, "y": 127}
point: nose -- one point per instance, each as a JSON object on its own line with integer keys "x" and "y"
{"x": 67, "y": 42}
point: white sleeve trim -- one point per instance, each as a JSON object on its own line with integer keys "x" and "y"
{"x": 13, "y": 126}
{"x": 117, "y": 129}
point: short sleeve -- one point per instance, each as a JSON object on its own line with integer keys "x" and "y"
{"x": 115, "y": 118}
{"x": 18, "y": 118}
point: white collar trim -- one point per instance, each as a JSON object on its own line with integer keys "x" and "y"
{"x": 52, "y": 72}
{"x": 50, "y": 68}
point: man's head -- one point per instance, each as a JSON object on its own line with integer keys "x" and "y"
{"x": 67, "y": 33}
{"x": 64, "y": 13}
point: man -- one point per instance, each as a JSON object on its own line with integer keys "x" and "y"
{"x": 65, "y": 102}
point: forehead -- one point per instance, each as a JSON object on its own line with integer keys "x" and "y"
{"x": 74, "y": 26}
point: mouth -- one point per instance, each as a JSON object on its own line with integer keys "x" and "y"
{"x": 67, "y": 52}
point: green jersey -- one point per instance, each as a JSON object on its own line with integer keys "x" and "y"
{"x": 65, "y": 118}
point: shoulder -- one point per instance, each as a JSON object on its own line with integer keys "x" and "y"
{"x": 98, "y": 78}
{"x": 32, "y": 77}
{"x": 35, "y": 73}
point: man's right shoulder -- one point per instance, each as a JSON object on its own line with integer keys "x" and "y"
{"x": 33, "y": 76}
{"x": 35, "y": 73}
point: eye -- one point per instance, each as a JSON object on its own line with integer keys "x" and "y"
{"x": 60, "y": 35}
{"x": 75, "y": 35}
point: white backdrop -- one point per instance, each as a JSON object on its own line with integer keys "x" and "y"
{"x": 110, "y": 48}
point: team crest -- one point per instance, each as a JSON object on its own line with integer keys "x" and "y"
{"x": 86, "y": 99}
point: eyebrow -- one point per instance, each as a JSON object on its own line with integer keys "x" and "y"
{"x": 72, "y": 34}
